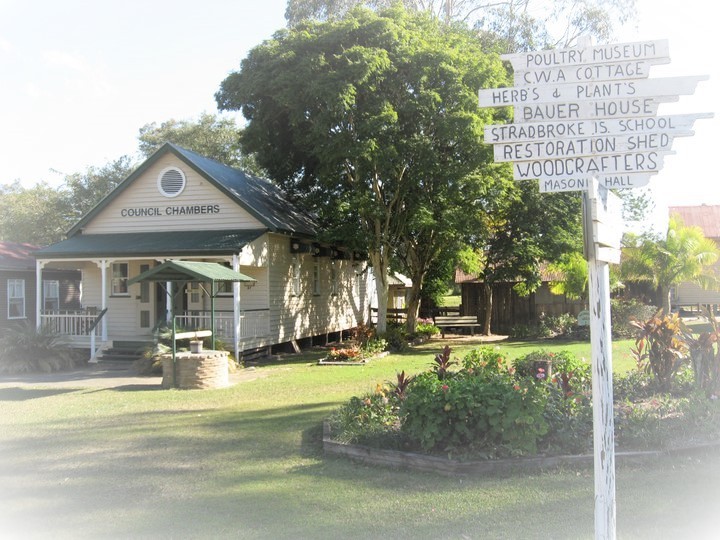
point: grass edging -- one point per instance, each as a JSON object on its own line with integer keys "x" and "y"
{"x": 427, "y": 463}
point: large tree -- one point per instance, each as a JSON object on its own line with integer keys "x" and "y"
{"x": 37, "y": 215}
{"x": 367, "y": 120}
{"x": 518, "y": 24}
{"x": 525, "y": 229}
{"x": 684, "y": 255}
{"x": 208, "y": 135}
{"x": 84, "y": 190}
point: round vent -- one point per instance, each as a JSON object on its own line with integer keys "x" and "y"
{"x": 171, "y": 182}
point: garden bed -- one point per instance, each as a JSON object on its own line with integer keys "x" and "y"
{"x": 328, "y": 361}
{"x": 449, "y": 466}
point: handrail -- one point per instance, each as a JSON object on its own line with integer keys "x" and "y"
{"x": 97, "y": 320}
{"x": 91, "y": 330}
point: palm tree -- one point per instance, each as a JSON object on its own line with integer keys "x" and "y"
{"x": 685, "y": 255}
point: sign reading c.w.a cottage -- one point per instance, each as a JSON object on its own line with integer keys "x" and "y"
{"x": 175, "y": 210}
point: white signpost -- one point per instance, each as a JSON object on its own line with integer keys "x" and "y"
{"x": 587, "y": 121}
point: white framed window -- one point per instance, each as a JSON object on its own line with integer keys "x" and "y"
{"x": 16, "y": 298}
{"x": 51, "y": 295}
{"x": 224, "y": 288}
{"x": 333, "y": 279}
{"x": 356, "y": 284}
{"x": 296, "y": 276}
{"x": 119, "y": 283}
{"x": 316, "y": 278}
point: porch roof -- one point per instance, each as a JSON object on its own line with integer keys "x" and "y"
{"x": 150, "y": 244}
{"x": 190, "y": 271}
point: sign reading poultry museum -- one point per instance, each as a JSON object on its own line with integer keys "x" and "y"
{"x": 589, "y": 112}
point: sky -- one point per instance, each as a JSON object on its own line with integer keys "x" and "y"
{"x": 78, "y": 79}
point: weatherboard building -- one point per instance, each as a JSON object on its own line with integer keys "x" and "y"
{"x": 181, "y": 206}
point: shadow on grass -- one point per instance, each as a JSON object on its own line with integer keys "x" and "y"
{"x": 24, "y": 394}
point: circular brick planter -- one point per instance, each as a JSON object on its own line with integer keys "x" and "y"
{"x": 207, "y": 369}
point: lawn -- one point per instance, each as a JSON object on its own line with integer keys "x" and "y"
{"x": 246, "y": 462}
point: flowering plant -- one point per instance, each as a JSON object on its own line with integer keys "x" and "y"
{"x": 345, "y": 354}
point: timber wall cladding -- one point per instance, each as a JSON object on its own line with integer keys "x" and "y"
{"x": 296, "y": 316}
{"x": 210, "y": 209}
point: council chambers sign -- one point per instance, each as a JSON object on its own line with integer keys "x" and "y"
{"x": 589, "y": 112}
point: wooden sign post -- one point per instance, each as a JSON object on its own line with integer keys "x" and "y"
{"x": 600, "y": 211}
{"x": 586, "y": 120}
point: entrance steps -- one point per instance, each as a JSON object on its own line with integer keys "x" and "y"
{"x": 123, "y": 351}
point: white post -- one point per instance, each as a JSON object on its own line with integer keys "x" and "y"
{"x": 236, "y": 307}
{"x": 602, "y": 391}
{"x": 103, "y": 274}
{"x": 38, "y": 293}
{"x": 168, "y": 301}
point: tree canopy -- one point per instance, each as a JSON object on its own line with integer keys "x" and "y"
{"x": 684, "y": 255}
{"x": 518, "y": 24}
{"x": 371, "y": 121}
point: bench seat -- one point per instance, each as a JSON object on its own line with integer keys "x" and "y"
{"x": 457, "y": 321}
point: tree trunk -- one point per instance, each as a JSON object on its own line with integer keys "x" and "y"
{"x": 413, "y": 305}
{"x": 488, "y": 305}
{"x": 666, "y": 294}
{"x": 380, "y": 272}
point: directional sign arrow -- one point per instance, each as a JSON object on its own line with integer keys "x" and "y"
{"x": 640, "y": 50}
{"x": 578, "y": 92}
{"x": 576, "y": 167}
{"x": 634, "y": 69}
{"x": 679, "y": 125}
{"x": 611, "y": 181}
{"x": 586, "y": 110}
{"x": 588, "y": 146}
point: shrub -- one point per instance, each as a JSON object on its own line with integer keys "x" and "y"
{"x": 26, "y": 349}
{"x": 442, "y": 363}
{"x": 660, "y": 347}
{"x": 396, "y": 337}
{"x": 369, "y": 418}
{"x": 426, "y": 328}
{"x": 546, "y": 327}
{"x": 570, "y": 421}
{"x": 485, "y": 361}
{"x": 557, "y": 325}
{"x": 374, "y": 346}
{"x": 535, "y": 365}
{"x": 623, "y": 312}
{"x": 495, "y": 414}
{"x": 705, "y": 356}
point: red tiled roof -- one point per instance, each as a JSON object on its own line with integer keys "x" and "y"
{"x": 707, "y": 217}
{"x": 14, "y": 256}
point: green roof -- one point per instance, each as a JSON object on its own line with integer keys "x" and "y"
{"x": 190, "y": 271}
{"x": 151, "y": 244}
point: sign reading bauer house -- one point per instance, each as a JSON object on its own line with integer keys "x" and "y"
{"x": 589, "y": 112}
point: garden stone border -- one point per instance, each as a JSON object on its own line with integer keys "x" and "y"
{"x": 427, "y": 463}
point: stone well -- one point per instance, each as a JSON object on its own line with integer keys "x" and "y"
{"x": 206, "y": 369}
